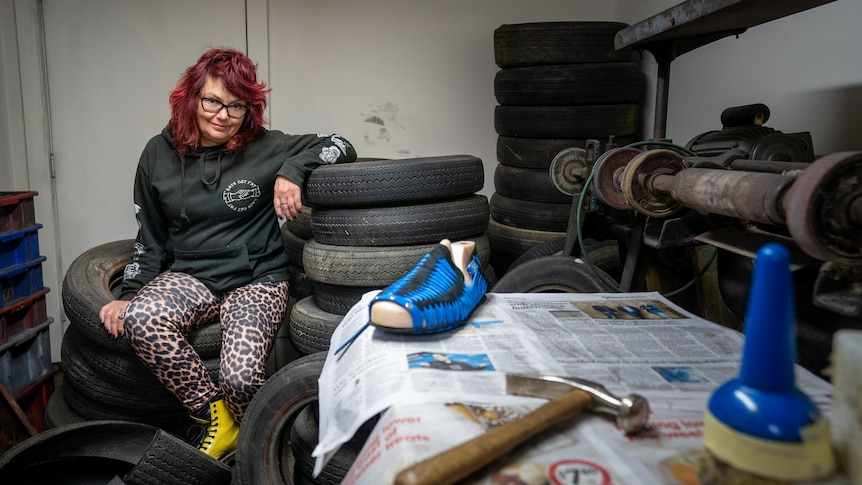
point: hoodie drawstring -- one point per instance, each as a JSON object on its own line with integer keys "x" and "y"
{"x": 217, "y": 176}
{"x": 183, "y": 216}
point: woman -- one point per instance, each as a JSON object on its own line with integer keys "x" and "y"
{"x": 209, "y": 245}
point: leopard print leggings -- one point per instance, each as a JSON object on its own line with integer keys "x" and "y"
{"x": 172, "y": 304}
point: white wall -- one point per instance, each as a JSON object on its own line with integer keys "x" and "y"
{"x": 425, "y": 68}
{"x": 13, "y": 162}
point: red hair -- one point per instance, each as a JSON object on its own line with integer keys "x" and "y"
{"x": 239, "y": 75}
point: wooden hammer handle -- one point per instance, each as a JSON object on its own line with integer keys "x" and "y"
{"x": 450, "y": 466}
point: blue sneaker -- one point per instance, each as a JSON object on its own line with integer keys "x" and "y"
{"x": 438, "y": 294}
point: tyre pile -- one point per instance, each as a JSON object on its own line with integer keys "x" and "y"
{"x": 371, "y": 223}
{"x": 560, "y": 84}
{"x": 102, "y": 377}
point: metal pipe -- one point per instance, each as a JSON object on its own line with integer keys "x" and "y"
{"x": 745, "y": 195}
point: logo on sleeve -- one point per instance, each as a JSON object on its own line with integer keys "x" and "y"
{"x": 241, "y": 195}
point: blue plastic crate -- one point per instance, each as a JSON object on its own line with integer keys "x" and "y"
{"x": 18, "y": 247}
{"x": 20, "y": 281}
{"x": 26, "y": 358}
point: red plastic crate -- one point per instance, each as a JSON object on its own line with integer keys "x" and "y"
{"x": 19, "y": 282}
{"x": 17, "y": 210}
{"x": 27, "y": 313}
{"x": 34, "y": 399}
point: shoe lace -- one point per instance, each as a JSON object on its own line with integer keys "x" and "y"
{"x": 441, "y": 297}
{"x": 211, "y": 431}
{"x": 195, "y": 434}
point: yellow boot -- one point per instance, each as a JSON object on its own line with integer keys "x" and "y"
{"x": 222, "y": 432}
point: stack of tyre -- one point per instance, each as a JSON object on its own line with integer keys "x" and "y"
{"x": 560, "y": 84}
{"x": 102, "y": 377}
{"x": 371, "y": 223}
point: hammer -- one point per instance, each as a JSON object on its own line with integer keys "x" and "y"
{"x": 568, "y": 396}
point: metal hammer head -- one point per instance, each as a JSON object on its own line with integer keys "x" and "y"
{"x": 631, "y": 412}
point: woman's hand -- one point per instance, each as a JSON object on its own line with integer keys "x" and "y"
{"x": 288, "y": 198}
{"x": 112, "y": 316}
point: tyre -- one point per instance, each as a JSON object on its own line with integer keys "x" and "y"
{"x": 97, "y": 451}
{"x": 293, "y": 246}
{"x": 338, "y": 299}
{"x": 551, "y": 274}
{"x": 514, "y": 241}
{"x": 301, "y": 225}
{"x": 528, "y": 184}
{"x": 542, "y": 43}
{"x": 263, "y": 451}
{"x": 311, "y": 327}
{"x": 303, "y": 439}
{"x": 394, "y": 182}
{"x": 570, "y": 84}
{"x": 57, "y": 412}
{"x": 369, "y": 266}
{"x": 538, "y": 216}
{"x": 604, "y": 255}
{"x": 421, "y": 223}
{"x": 538, "y": 153}
{"x": 567, "y": 122}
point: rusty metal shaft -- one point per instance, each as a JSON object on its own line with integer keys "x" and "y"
{"x": 746, "y": 195}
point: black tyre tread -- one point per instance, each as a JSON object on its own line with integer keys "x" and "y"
{"x": 300, "y": 284}
{"x": 269, "y": 419}
{"x": 338, "y": 299}
{"x": 560, "y": 272}
{"x": 570, "y": 84}
{"x": 526, "y": 214}
{"x": 542, "y": 43}
{"x": 514, "y": 241}
{"x": 57, "y": 412}
{"x": 369, "y": 266}
{"x": 303, "y": 439}
{"x": 171, "y": 461}
{"x": 301, "y": 225}
{"x": 421, "y": 223}
{"x": 394, "y": 182}
{"x": 311, "y": 327}
{"x": 604, "y": 254}
{"x": 538, "y": 153}
{"x": 293, "y": 245}
{"x": 86, "y": 289}
{"x": 117, "y": 441}
{"x": 528, "y": 184}
{"x": 83, "y": 360}
{"x": 82, "y": 398}
{"x": 567, "y": 122}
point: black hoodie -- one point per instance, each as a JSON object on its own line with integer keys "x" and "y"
{"x": 211, "y": 214}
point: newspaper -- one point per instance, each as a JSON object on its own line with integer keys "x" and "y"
{"x": 436, "y": 391}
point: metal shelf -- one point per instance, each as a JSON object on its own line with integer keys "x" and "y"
{"x": 695, "y": 23}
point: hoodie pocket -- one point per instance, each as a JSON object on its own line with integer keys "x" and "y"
{"x": 220, "y": 269}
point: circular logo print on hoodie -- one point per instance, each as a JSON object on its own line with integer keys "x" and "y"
{"x": 241, "y": 195}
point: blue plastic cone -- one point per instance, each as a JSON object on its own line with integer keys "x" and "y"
{"x": 763, "y": 404}
{"x": 764, "y": 401}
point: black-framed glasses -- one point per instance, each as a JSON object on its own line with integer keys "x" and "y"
{"x": 235, "y": 110}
